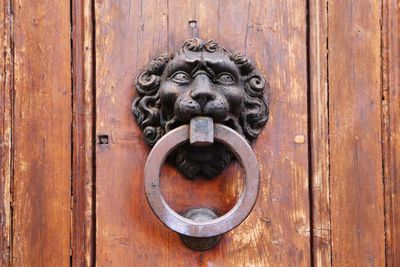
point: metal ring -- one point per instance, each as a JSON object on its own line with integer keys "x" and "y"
{"x": 220, "y": 225}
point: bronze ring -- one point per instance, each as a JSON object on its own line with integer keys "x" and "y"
{"x": 220, "y": 225}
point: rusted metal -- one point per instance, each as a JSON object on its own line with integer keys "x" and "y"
{"x": 239, "y": 147}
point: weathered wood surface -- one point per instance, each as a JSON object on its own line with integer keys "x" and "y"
{"x": 128, "y": 35}
{"x": 319, "y": 133}
{"x": 41, "y": 133}
{"x": 276, "y": 39}
{"x": 6, "y": 79}
{"x": 83, "y": 243}
{"x": 391, "y": 127}
{"x": 342, "y": 211}
{"x": 356, "y": 184}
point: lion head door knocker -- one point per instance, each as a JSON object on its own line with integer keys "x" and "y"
{"x": 188, "y": 98}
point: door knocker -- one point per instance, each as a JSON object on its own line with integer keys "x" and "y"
{"x": 187, "y": 99}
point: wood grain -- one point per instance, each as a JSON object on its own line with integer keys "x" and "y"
{"x": 319, "y": 131}
{"x": 355, "y": 133}
{"x": 391, "y": 127}
{"x": 6, "y": 93}
{"x": 42, "y": 133}
{"x": 122, "y": 219}
{"x": 232, "y": 23}
{"x": 275, "y": 37}
{"x": 128, "y": 34}
{"x": 82, "y": 143}
{"x": 53, "y": 114}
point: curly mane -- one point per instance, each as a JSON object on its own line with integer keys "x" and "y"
{"x": 146, "y": 107}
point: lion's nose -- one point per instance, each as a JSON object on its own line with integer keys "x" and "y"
{"x": 202, "y": 90}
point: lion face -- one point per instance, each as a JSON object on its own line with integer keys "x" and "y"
{"x": 206, "y": 84}
{"x": 203, "y": 79}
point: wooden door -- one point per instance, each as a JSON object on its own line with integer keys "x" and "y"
{"x": 73, "y": 156}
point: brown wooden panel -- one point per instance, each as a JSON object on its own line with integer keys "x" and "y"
{"x": 121, "y": 225}
{"x": 180, "y": 13}
{"x": 319, "y": 130}
{"x": 128, "y": 34}
{"x": 82, "y": 149}
{"x": 5, "y": 131}
{"x": 42, "y": 133}
{"x": 391, "y": 127}
{"x": 355, "y": 133}
{"x": 125, "y": 230}
{"x": 234, "y": 23}
{"x": 279, "y": 227}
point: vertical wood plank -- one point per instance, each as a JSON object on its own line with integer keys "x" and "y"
{"x": 319, "y": 130}
{"x": 233, "y": 20}
{"x": 355, "y": 133}
{"x": 179, "y": 15}
{"x": 5, "y": 131}
{"x": 42, "y": 133}
{"x": 128, "y": 35}
{"x": 191, "y": 19}
{"x": 207, "y": 14}
{"x": 277, "y": 40}
{"x": 82, "y": 149}
{"x": 391, "y": 127}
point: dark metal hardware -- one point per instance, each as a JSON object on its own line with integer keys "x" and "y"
{"x": 211, "y": 228}
{"x": 200, "y": 243}
{"x": 221, "y": 96}
{"x": 200, "y": 79}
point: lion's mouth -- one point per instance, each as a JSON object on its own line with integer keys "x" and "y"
{"x": 201, "y": 161}
{"x": 206, "y": 161}
{"x": 201, "y": 154}
{"x": 229, "y": 121}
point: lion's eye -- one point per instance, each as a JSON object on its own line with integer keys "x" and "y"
{"x": 225, "y": 79}
{"x": 180, "y": 77}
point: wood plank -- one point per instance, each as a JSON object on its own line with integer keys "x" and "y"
{"x": 319, "y": 130}
{"x": 180, "y": 13}
{"x": 191, "y": 19}
{"x": 82, "y": 150}
{"x": 207, "y": 15}
{"x": 42, "y": 134}
{"x": 128, "y": 34}
{"x": 5, "y": 131}
{"x": 355, "y": 133}
{"x": 391, "y": 129}
{"x": 276, "y": 39}
{"x": 233, "y": 20}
